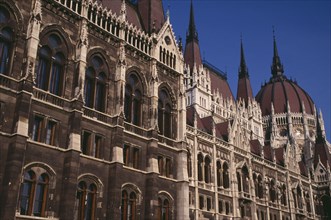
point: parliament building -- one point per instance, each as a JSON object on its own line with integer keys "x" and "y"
{"x": 105, "y": 114}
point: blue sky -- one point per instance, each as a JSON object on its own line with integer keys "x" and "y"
{"x": 302, "y": 30}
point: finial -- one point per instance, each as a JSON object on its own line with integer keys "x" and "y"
{"x": 276, "y": 67}
{"x": 168, "y": 13}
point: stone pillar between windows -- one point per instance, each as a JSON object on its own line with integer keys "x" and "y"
{"x": 182, "y": 187}
{"x": 12, "y": 177}
{"x": 117, "y": 154}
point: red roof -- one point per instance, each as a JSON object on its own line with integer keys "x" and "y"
{"x": 279, "y": 91}
{"x": 255, "y": 147}
{"x": 222, "y": 130}
{"x": 322, "y": 153}
{"x": 132, "y": 14}
{"x": 279, "y": 154}
{"x": 267, "y": 152}
{"x": 244, "y": 90}
{"x": 220, "y": 83}
{"x": 192, "y": 53}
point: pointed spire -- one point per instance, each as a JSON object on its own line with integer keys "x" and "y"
{"x": 277, "y": 67}
{"x": 192, "y": 32}
{"x": 243, "y": 71}
{"x": 244, "y": 90}
{"x": 192, "y": 50}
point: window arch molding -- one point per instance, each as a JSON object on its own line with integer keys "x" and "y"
{"x": 40, "y": 167}
{"x": 165, "y": 207}
{"x": 134, "y": 98}
{"x": 88, "y": 194}
{"x": 131, "y": 201}
{"x": 38, "y": 181}
{"x": 96, "y": 85}
{"x": 10, "y": 31}
{"x": 52, "y": 60}
{"x": 166, "y": 111}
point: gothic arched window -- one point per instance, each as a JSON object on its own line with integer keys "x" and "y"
{"x": 200, "y": 164}
{"x": 164, "y": 208}
{"x": 6, "y": 40}
{"x": 207, "y": 170}
{"x": 164, "y": 113}
{"x": 129, "y": 203}
{"x": 50, "y": 68}
{"x": 33, "y": 196}
{"x": 219, "y": 173}
{"x": 226, "y": 180}
{"x": 133, "y": 100}
{"x": 86, "y": 195}
{"x": 260, "y": 187}
{"x": 245, "y": 179}
{"x": 95, "y": 91}
{"x": 272, "y": 191}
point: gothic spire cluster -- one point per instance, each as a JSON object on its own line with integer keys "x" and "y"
{"x": 276, "y": 67}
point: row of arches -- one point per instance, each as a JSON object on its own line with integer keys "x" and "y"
{"x": 39, "y": 181}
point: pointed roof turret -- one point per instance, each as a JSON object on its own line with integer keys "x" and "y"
{"x": 192, "y": 32}
{"x": 192, "y": 50}
{"x": 243, "y": 71}
{"x": 244, "y": 90}
{"x": 152, "y": 14}
{"x": 276, "y": 67}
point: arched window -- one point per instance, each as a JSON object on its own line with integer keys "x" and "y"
{"x": 50, "y": 68}
{"x": 207, "y": 170}
{"x": 239, "y": 181}
{"x": 163, "y": 208}
{"x": 200, "y": 164}
{"x": 283, "y": 195}
{"x": 86, "y": 195}
{"x": 129, "y": 205}
{"x": 245, "y": 179}
{"x": 95, "y": 91}
{"x": 164, "y": 113}
{"x": 226, "y": 180}
{"x": 133, "y": 100}
{"x": 189, "y": 164}
{"x": 272, "y": 191}
{"x": 33, "y": 196}
{"x": 260, "y": 187}
{"x": 219, "y": 173}
{"x": 6, "y": 41}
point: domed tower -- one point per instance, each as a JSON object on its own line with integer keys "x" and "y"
{"x": 289, "y": 113}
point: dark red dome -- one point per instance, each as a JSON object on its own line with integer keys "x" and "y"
{"x": 279, "y": 91}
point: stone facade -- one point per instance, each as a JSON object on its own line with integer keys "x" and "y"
{"x": 102, "y": 117}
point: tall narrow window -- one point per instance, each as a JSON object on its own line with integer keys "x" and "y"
{"x": 226, "y": 180}
{"x": 200, "y": 164}
{"x": 161, "y": 165}
{"x": 86, "y": 142}
{"x": 164, "y": 113}
{"x": 40, "y": 197}
{"x": 207, "y": 170}
{"x": 6, "y": 40}
{"x": 135, "y": 162}
{"x": 163, "y": 208}
{"x": 50, "y": 132}
{"x": 126, "y": 154}
{"x": 245, "y": 179}
{"x": 37, "y": 128}
{"x": 6, "y": 36}
{"x": 95, "y": 91}
{"x": 51, "y": 62}
{"x": 33, "y": 195}
{"x": 219, "y": 173}
{"x": 129, "y": 205}
{"x": 133, "y": 100}
{"x": 96, "y": 146}
{"x": 86, "y": 196}
{"x": 27, "y": 193}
